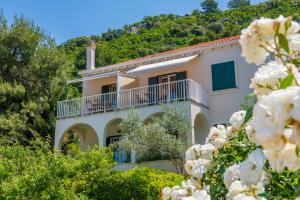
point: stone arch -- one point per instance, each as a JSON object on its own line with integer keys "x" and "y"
{"x": 86, "y": 133}
{"x": 149, "y": 118}
{"x": 201, "y": 128}
{"x": 112, "y": 130}
{"x": 112, "y": 134}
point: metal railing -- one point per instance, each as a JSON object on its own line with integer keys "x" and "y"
{"x": 154, "y": 94}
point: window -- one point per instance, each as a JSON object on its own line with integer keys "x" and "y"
{"x": 223, "y": 76}
{"x": 108, "y": 88}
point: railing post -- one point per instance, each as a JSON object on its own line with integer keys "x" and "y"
{"x": 130, "y": 98}
{"x": 169, "y": 92}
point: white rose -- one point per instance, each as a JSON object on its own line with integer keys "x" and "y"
{"x": 244, "y": 197}
{"x": 200, "y": 168}
{"x": 217, "y": 136}
{"x": 231, "y": 174}
{"x": 252, "y": 169}
{"x": 201, "y": 195}
{"x": 260, "y": 33}
{"x": 271, "y": 113}
{"x": 295, "y": 112}
{"x": 236, "y": 188}
{"x": 268, "y": 77}
{"x": 193, "y": 152}
{"x": 250, "y": 131}
{"x": 206, "y": 151}
{"x": 289, "y": 157}
{"x": 188, "y": 185}
{"x": 237, "y": 119}
{"x": 295, "y": 42}
{"x": 251, "y": 45}
{"x": 166, "y": 193}
{"x": 188, "y": 166}
{"x": 273, "y": 158}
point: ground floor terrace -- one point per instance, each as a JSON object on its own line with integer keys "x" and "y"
{"x": 102, "y": 128}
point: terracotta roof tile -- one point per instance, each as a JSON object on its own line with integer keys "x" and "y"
{"x": 197, "y": 46}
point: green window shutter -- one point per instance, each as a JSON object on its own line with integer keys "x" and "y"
{"x": 223, "y": 76}
{"x": 218, "y": 78}
{"x": 181, "y": 76}
{"x": 230, "y": 75}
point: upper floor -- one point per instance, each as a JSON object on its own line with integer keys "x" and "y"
{"x": 198, "y": 73}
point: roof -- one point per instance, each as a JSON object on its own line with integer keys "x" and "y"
{"x": 176, "y": 53}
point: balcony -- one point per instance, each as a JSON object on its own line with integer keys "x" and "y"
{"x": 132, "y": 98}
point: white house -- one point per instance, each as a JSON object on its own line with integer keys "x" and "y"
{"x": 209, "y": 80}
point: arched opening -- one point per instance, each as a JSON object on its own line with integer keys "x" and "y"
{"x": 113, "y": 134}
{"x": 78, "y": 137}
{"x": 150, "y": 118}
{"x": 201, "y": 129}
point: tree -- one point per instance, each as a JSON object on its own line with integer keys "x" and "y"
{"x": 33, "y": 75}
{"x": 238, "y": 3}
{"x": 210, "y": 6}
{"x": 163, "y": 136}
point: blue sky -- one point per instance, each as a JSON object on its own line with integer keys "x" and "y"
{"x": 65, "y": 19}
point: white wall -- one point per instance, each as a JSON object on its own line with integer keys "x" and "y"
{"x": 223, "y": 103}
{"x": 98, "y": 122}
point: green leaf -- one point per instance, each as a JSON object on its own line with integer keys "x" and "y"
{"x": 249, "y": 114}
{"x": 297, "y": 150}
{"x": 287, "y": 81}
{"x": 284, "y": 43}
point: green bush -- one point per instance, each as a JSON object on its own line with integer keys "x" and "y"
{"x": 34, "y": 172}
{"x": 138, "y": 183}
{"x": 37, "y": 173}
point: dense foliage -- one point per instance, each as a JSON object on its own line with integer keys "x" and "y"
{"x": 36, "y": 173}
{"x": 139, "y": 183}
{"x": 160, "y": 137}
{"x": 33, "y": 74}
{"x": 166, "y": 32}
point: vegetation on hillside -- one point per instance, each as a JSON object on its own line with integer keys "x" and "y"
{"x": 166, "y": 32}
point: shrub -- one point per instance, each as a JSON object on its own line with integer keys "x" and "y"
{"x": 138, "y": 183}
{"x": 37, "y": 173}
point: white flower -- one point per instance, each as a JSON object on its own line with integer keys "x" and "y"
{"x": 217, "y": 136}
{"x": 268, "y": 77}
{"x": 252, "y": 169}
{"x": 295, "y": 42}
{"x": 261, "y": 33}
{"x": 206, "y": 151}
{"x": 177, "y": 193}
{"x": 250, "y": 131}
{"x": 289, "y": 157}
{"x": 188, "y": 185}
{"x": 273, "y": 157}
{"x": 188, "y": 166}
{"x": 200, "y": 168}
{"x": 166, "y": 193}
{"x": 243, "y": 196}
{"x": 201, "y": 195}
{"x": 236, "y": 188}
{"x": 237, "y": 119}
{"x": 251, "y": 46}
{"x": 295, "y": 112}
{"x": 271, "y": 113}
{"x": 193, "y": 152}
{"x": 231, "y": 174}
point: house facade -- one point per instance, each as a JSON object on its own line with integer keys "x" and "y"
{"x": 208, "y": 80}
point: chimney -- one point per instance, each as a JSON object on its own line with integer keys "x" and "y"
{"x": 90, "y": 56}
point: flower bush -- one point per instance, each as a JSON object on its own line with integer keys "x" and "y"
{"x": 257, "y": 157}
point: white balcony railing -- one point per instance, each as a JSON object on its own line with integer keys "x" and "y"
{"x": 142, "y": 96}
